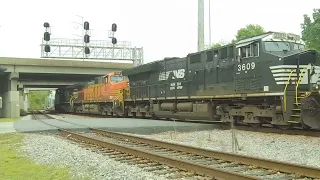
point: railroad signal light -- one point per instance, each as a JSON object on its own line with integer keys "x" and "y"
{"x": 46, "y": 48}
{"x": 46, "y": 36}
{"x": 114, "y": 27}
{"x": 86, "y": 25}
{"x": 87, "y": 50}
{"x": 46, "y": 25}
{"x": 114, "y": 40}
{"x": 86, "y": 38}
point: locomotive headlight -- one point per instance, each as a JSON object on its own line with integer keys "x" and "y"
{"x": 315, "y": 86}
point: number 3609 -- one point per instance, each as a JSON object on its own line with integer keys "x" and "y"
{"x": 246, "y": 66}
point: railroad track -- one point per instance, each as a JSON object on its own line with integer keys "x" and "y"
{"x": 186, "y": 160}
{"x": 38, "y": 115}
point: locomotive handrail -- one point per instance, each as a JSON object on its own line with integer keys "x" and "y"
{"x": 298, "y": 83}
{"x": 71, "y": 100}
{"x": 284, "y": 92}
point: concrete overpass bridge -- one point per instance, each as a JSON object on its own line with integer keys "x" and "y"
{"x": 45, "y": 73}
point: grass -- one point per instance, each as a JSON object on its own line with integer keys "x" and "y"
{"x": 14, "y": 167}
{"x": 8, "y": 119}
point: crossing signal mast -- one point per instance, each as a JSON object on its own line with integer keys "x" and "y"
{"x": 86, "y": 39}
{"x": 111, "y": 35}
{"x": 46, "y": 37}
{"x": 90, "y": 49}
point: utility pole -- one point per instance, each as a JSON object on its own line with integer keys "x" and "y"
{"x": 82, "y": 33}
{"x": 210, "y": 24}
{"x": 200, "y": 25}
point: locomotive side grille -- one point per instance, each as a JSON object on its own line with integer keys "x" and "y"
{"x": 240, "y": 85}
{"x": 255, "y": 84}
{"x": 281, "y": 74}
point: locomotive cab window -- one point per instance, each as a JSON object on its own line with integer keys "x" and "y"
{"x": 251, "y": 50}
{"x": 224, "y": 53}
{"x": 209, "y": 56}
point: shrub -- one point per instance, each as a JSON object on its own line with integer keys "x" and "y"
{"x": 23, "y": 112}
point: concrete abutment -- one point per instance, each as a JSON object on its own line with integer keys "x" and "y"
{"x": 10, "y": 95}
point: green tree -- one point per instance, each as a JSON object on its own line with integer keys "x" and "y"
{"x": 311, "y": 30}
{"x": 216, "y": 45}
{"x": 246, "y": 32}
{"x": 249, "y": 31}
{"x": 38, "y": 99}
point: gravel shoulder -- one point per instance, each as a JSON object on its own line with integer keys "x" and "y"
{"x": 49, "y": 149}
{"x": 302, "y": 150}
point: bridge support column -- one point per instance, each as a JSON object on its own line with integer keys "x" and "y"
{"x": 10, "y": 96}
{"x": 26, "y": 99}
{"x": 23, "y": 98}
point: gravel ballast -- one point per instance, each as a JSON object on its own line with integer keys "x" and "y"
{"x": 49, "y": 149}
{"x": 302, "y": 150}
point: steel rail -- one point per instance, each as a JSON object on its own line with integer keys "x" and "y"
{"x": 307, "y": 171}
{"x": 259, "y": 162}
{"x": 184, "y": 165}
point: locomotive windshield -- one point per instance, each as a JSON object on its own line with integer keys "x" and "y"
{"x": 116, "y": 79}
{"x": 276, "y": 46}
{"x": 282, "y": 46}
{"x": 277, "y": 42}
{"x": 297, "y": 46}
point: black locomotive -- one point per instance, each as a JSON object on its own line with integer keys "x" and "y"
{"x": 266, "y": 79}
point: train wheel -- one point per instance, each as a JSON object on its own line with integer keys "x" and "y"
{"x": 255, "y": 125}
{"x": 310, "y": 112}
{"x": 284, "y": 127}
{"x": 304, "y": 126}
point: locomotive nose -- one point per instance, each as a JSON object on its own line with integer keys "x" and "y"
{"x": 3, "y": 69}
{"x": 302, "y": 58}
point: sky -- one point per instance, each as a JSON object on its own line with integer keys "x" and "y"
{"x": 164, "y": 28}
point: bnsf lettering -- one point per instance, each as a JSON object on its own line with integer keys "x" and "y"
{"x": 177, "y": 74}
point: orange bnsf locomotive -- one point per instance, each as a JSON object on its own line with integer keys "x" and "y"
{"x": 266, "y": 79}
{"x": 102, "y": 96}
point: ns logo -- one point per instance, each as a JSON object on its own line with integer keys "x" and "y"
{"x": 176, "y": 74}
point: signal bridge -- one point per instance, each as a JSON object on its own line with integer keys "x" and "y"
{"x": 99, "y": 49}
{"x": 86, "y": 49}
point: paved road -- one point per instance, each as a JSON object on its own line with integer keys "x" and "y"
{"x": 141, "y": 126}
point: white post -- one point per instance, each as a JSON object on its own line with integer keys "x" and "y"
{"x": 210, "y": 24}
{"x": 200, "y": 25}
